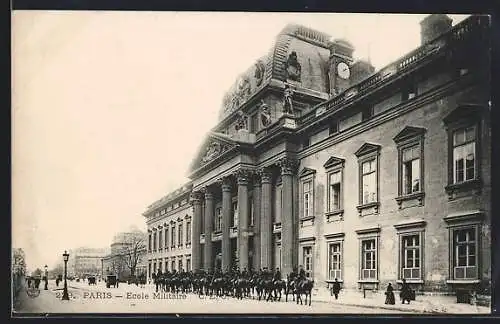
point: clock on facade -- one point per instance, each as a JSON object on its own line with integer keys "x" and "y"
{"x": 343, "y": 70}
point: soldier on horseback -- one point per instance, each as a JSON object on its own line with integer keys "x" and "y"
{"x": 158, "y": 278}
{"x": 302, "y": 273}
{"x": 277, "y": 275}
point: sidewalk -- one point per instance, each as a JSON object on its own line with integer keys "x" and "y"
{"x": 422, "y": 304}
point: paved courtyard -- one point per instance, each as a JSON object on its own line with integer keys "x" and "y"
{"x": 133, "y": 299}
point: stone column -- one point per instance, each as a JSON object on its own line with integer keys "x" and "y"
{"x": 226, "y": 221}
{"x": 243, "y": 179}
{"x": 195, "y": 239}
{"x": 288, "y": 225}
{"x": 266, "y": 221}
{"x": 256, "y": 221}
{"x": 209, "y": 218}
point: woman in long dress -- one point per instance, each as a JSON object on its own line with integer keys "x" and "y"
{"x": 389, "y": 295}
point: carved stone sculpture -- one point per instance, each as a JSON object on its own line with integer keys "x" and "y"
{"x": 260, "y": 70}
{"x": 287, "y": 100}
{"x": 213, "y": 150}
{"x": 241, "y": 122}
{"x": 293, "y": 68}
{"x": 265, "y": 115}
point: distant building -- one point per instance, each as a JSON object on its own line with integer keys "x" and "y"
{"x": 170, "y": 232}
{"x": 127, "y": 251}
{"x": 85, "y": 261}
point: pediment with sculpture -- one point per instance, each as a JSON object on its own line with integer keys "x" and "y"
{"x": 215, "y": 145}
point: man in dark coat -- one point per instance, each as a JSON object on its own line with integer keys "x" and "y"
{"x": 405, "y": 292}
{"x": 302, "y": 273}
{"x": 277, "y": 275}
{"x": 158, "y": 278}
{"x": 336, "y": 288}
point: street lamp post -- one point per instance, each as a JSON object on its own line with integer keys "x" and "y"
{"x": 46, "y": 278}
{"x": 65, "y": 295}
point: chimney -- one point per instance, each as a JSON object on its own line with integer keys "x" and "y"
{"x": 434, "y": 25}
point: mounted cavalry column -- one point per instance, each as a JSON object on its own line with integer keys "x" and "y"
{"x": 288, "y": 224}
{"x": 266, "y": 224}
{"x": 256, "y": 221}
{"x": 195, "y": 239}
{"x": 209, "y": 217}
{"x": 243, "y": 179}
{"x": 226, "y": 220}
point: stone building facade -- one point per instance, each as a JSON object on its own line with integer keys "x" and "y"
{"x": 169, "y": 223}
{"x": 128, "y": 249}
{"x": 368, "y": 177}
{"x": 85, "y": 261}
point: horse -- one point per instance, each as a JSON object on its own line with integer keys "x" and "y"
{"x": 278, "y": 286}
{"x": 290, "y": 288}
{"x": 186, "y": 284}
{"x": 303, "y": 286}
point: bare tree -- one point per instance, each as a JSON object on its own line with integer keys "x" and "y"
{"x": 133, "y": 249}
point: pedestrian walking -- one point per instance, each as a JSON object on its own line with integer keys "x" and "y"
{"x": 389, "y": 295}
{"x": 335, "y": 288}
{"x": 406, "y": 292}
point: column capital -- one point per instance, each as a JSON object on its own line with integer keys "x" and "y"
{"x": 265, "y": 175}
{"x": 196, "y": 197}
{"x": 225, "y": 183}
{"x": 243, "y": 176}
{"x": 256, "y": 178}
{"x": 288, "y": 166}
{"x": 207, "y": 192}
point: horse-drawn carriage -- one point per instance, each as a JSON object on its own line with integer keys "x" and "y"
{"x": 111, "y": 280}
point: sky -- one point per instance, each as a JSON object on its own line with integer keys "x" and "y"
{"x": 109, "y": 108}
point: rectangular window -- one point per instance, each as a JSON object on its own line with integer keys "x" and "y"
{"x": 465, "y": 253}
{"x": 160, "y": 240}
{"x": 166, "y": 237}
{"x": 154, "y": 241}
{"x": 308, "y": 198}
{"x": 334, "y": 194}
{"x": 179, "y": 236}
{"x": 188, "y": 232}
{"x": 218, "y": 219}
{"x": 277, "y": 256}
{"x": 411, "y": 256}
{"x": 350, "y": 121}
{"x": 180, "y": 264}
{"x": 250, "y": 205}
{"x": 369, "y": 181}
{"x": 369, "y": 259}
{"x": 172, "y": 241}
{"x": 411, "y": 170}
{"x": 278, "y": 206}
{"x": 188, "y": 264}
{"x": 172, "y": 264}
{"x": 464, "y": 154}
{"x": 307, "y": 260}
{"x": 235, "y": 213}
{"x": 335, "y": 261}
{"x": 318, "y": 137}
{"x": 149, "y": 243}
